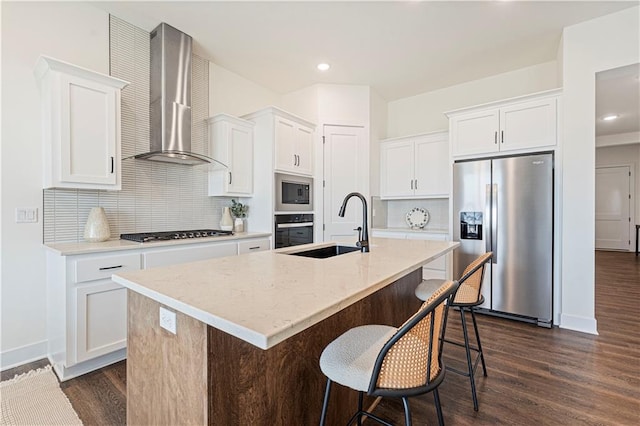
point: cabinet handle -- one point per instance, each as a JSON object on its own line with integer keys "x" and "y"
{"x": 295, "y": 160}
{"x": 502, "y": 136}
{"x": 112, "y": 165}
{"x": 254, "y": 248}
{"x": 411, "y": 183}
{"x": 495, "y": 137}
{"x": 416, "y": 185}
{"x": 104, "y": 268}
{"x": 230, "y": 178}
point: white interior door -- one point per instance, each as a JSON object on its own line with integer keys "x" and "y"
{"x": 346, "y": 169}
{"x": 613, "y": 207}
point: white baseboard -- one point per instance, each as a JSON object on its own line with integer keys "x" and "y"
{"x": 22, "y": 355}
{"x": 578, "y": 323}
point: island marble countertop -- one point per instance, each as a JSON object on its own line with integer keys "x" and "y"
{"x": 263, "y": 298}
{"x": 69, "y": 249}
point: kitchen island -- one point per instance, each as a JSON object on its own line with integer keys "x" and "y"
{"x": 250, "y": 330}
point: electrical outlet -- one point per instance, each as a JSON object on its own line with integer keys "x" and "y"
{"x": 168, "y": 320}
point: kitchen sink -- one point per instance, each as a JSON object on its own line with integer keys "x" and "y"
{"x": 325, "y": 252}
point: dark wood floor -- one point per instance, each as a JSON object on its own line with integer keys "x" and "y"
{"x": 536, "y": 376}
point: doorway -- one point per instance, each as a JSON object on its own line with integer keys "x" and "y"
{"x": 346, "y": 169}
{"x": 613, "y": 208}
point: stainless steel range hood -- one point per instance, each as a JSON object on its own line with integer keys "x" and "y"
{"x": 170, "y": 109}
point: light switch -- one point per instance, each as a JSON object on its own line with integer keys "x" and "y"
{"x": 26, "y": 215}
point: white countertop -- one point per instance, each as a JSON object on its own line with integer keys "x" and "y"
{"x": 69, "y": 249}
{"x": 266, "y": 297}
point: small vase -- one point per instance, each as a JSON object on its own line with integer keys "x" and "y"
{"x": 226, "y": 223}
{"x": 97, "y": 227}
{"x": 238, "y": 225}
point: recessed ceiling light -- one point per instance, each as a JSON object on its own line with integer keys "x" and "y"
{"x": 323, "y": 66}
{"x": 610, "y": 117}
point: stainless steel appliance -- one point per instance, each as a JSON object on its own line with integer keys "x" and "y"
{"x": 505, "y": 205}
{"x": 170, "y": 97}
{"x": 293, "y": 229}
{"x": 293, "y": 193}
{"x": 145, "y": 237}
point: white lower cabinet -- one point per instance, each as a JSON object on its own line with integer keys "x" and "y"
{"x": 438, "y": 268}
{"x": 87, "y": 312}
{"x": 101, "y": 319}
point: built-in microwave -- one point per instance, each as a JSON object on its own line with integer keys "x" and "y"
{"x": 293, "y": 193}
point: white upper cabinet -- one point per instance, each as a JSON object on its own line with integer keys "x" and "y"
{"x": 81, "y": 126}
{"x": 523, "y": 124}
{"x": 231, "y": 142}
{"x": 293, "y": 146}
{"x": 415, "y": 166}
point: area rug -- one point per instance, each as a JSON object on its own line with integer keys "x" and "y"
{"x": 35, "y": 398}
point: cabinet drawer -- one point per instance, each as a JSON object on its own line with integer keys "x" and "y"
{"x": 102, "y": 267}
{"x": 253, "y": 246}
{"x": 188, "y": 254}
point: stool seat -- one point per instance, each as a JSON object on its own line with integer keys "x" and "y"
{"x": 427, "y": 287}
{"x": 349, "y": 359}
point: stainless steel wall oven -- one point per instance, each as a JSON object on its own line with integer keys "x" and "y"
{"x": 293, "y": 229}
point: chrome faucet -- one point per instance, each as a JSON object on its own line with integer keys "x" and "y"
{"x": 363, "y": 232}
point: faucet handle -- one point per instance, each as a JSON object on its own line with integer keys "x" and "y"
{"x": 359, "y": 229}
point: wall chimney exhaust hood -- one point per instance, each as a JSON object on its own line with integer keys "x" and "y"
{"x": 170, "y": 109}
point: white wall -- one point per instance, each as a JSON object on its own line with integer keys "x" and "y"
{"x": 624, "y": 155}
{"x": 608, "y": 42}
{"x": 378, "y": 114}
{"x": 232, "y": 94}
{"x": 424, "y": 113}
{"x": 73, "y": 32}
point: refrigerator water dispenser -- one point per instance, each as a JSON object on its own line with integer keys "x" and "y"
{"x": 471, "y": 225}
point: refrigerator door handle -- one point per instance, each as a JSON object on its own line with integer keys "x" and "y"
{"x": 487, "y": 215}
{"x": 494, "y": 223}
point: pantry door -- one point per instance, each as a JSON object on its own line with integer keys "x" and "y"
{"x": 346, "y": 169}
{"x": 613, "y": 208}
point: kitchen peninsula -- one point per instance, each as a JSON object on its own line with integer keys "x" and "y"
{"x": 249, "y": 330}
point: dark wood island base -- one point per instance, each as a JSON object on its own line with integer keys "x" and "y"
{"x": 202, "y": 375}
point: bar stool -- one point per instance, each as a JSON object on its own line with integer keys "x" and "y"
{"x": 391, "y": 362}
{"x": 468, "y": 296}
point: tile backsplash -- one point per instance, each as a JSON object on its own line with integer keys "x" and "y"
{"x": 395, "y": 211}
{"x": 154, "y": 196}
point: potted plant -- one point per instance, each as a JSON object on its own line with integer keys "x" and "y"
{"x": 239, "y": 211}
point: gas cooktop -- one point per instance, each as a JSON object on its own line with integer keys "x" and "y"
{"x": 144, "y": 237}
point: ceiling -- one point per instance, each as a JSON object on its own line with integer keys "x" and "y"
{"x": 399, "y": 48}
{"x": 618, "y": 92}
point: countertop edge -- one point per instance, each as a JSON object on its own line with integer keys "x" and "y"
{"x": 79, "y": 248}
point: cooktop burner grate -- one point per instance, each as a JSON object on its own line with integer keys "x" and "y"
{"x": 144, "y": 237}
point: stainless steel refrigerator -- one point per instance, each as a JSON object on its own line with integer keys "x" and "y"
{"x": 505, "y": 205}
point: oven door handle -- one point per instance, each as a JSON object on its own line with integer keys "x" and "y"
{"x": 294, "y": 225}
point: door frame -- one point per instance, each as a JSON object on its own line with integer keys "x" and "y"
{"x": 632, "y": 200}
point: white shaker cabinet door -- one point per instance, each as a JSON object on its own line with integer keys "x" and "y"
{"x": 528, "y": 124}
{"x": 285, "y": 153}
{"x": 396, "y": 169}
{"x": 431, "y": 168}
{"x": 101, "y": 315}
{"x": 81, "y": 126}
{"x": 475, "y": 133}
{"x": 304, "y": 150}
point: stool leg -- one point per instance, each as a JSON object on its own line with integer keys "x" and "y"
{"x": 469, "y": 363}
{"x": 325, "y": 403}
{"x": 407, "y": 411}
{"x": 475, "y": 327}
{"x": 359, "y": 408}
{"x": 436, "y": 398}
